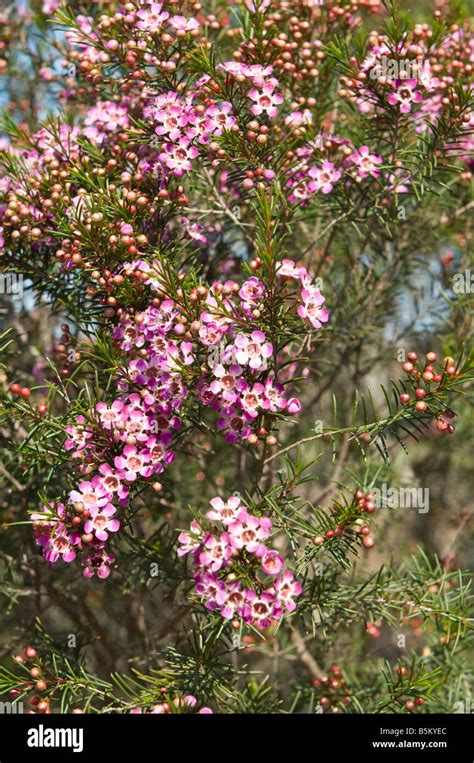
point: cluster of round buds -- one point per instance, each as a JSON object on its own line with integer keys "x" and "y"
{"x": 68, "y": 255}
{"x": 34, "y": 681}
{"x": 373, "y": 628}
{"x": 412, "y": 703}
{"x": 367, "y": 539}
{"x": 17, "y": 389}
{"x": 333, "y": 690}
{"x": 423, "y": 376}
{"x": 329, "y": 535}
{"x": 362, "y": 502}
{"x": 365, "y": 501}
{"x": 443, "y": 423}
{"x": 262, "y": 434}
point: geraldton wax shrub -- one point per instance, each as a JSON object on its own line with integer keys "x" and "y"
{"x": 232, "y": 238}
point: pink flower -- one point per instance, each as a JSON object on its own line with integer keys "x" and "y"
{"x": 92, "y": 497}
{"x": 261, "y": 609}
{"x": 224, "y": 512}
{"x": 235, "y": 425}
{"x": 151, "y": 19}
{"x": 272, "y": 563}
{"x": 60, "y": 543}
{"x": 225, "y": 383}
{"x": 257, "y": 5}
{"x": 212, "y": 589}
{"x": 210, "y": 333}
{"x": 248, "y": 532}
{"x": 265, "y": 101}
{"x": 190, "y": 542}
{"x": 312, "y": 307}
{"x": 98, "y": 561}
{"x": 177, "y": 157}
{"x": 111, "y": 482}
{"x": 183, "y": 24}
{"x": 251, "y": 399}
{"x": 253, "y": 351}
{"x": 172, "y": 113}
{"x": 50, "y": 6}
{"x": 79, "y": 436}
{"x": 405, "y": 94}
{"x": 288, "y": 269}
{"x": 216, "y": 552}
{"x": 101, "y": 522}
{"x": 323, "y": 178}
{"x": 293, "y": 406}
{"x": 103, "y": 118}
{"x": 244, "y": 533}
{"x": 273, "y": 399}
{"x": 256, "y": 72}
{"x": 234, "y": 602}
{"x": 132, "y": 463}
{"x": 298, "y": 118}
{"x": 366, "y": 162}
{"x": 251, "y": 290}
{"x": 218, "y": 118}
{"x": 287, "y": 589}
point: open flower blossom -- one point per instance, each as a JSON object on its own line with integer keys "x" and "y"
{"x": 182, "y": 24}
{"x": 59, "y": 544}
{"x": 101, "y": 523}
{"x": 151, "y": 17}
{"x": 265, "y": 100}
{"x": 224, "y": 511}
{"x": 214, "y": 553}
{"x": 152, "y": 390}
{"x": 311, "y": 307}
{"x": 323, "y": 178}
{"x": 366, "y": 162}
{"x": 405, "y": 94}
{"x": 252, "y": 350}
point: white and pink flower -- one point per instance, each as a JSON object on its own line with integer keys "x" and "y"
{"x": 266, "y": 100}
{"x": 366, "y": 163}
{"x": 101, "y": 523}
{"x": 323, "y": 178}
{"x": 405, "y": 95}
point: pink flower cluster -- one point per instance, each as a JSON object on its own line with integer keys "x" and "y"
{"x": 139, "y": 427}
{"x": 311, "y": 307}
{"x": 52, "y": 535}
{"x": 183, "y": 125}
{"x": 103, "y": 119}
{"x": 307, "y": 178}
{"x": 236, "y": 360}
{"x": 405, "y": 76}
{"x": 57, "y": 541}
{"x": 231, "y": 387}
{"x": 265, "y": 99}
{"x": 214, "y": 550}
{"x": 130, "y": 439}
